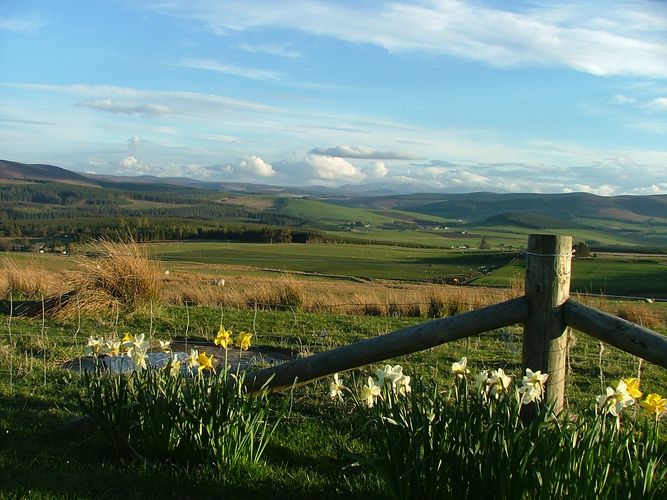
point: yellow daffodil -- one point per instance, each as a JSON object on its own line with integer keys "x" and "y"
{"x": 370, "y": 392}
{"x": 655, "y": 404}
{"x": 224, "y": 338}
{"x": 336, "y": 388}
{"x": 243, "y": 340}
{"x": 459, "y": 368}
{"x": 205, "y": 362}
{"x": 127, "y": 337}
{"x": 165, "y": 345}
{"x": 633, "y": 387}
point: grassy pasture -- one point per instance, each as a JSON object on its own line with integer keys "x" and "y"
{"x": 368, "y": 261}
{"x": 337, "y": 214}
{"x": 611, "y": 275}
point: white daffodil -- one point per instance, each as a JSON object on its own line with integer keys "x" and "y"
{"x": 498, "y": 383}
{"x": 165, "y": 345}
{"x": 112, "y": 347}
{"x": 139, "y": 357}
{"x": 615, "y": 399}
{"x": 459, "y": 368}
{"x": 482, "y": 381}
{"x": 193, "y": 359}
{"x": 370, "y": 392}
{"x": 403, "y": 386}
{"x": 139, "y": 342}
{"x": 94, "y": 346}
{"x": 389, "y": 375}
{"x": 336, "y": 388}
{"x": 174, "y": 365}
{"x": 532, "y": 386}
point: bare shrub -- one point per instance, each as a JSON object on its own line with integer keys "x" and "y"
{"x": 121, "y": 277}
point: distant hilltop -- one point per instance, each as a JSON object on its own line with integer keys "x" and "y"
{"x": 40, "y": 172}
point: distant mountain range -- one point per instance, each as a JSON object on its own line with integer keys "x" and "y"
{"x": 510, "y": 209}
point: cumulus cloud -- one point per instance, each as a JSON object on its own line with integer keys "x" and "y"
{"x": 247, "y": 167}
{"x": 362, "y": 153}
{"x": 378, "y": 169}
{"x": 254, "y": 165}
{"x": 128, "y": 108}
{"x": 130, "y": 165}
{"x": 331, "y": 168}
{"x": 658, "y": 188}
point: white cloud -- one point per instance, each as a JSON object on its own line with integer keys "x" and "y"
{"x": 212, "y": 65}
{"x": 658, "y": 104}
{"x": 254, "y": 165}
{"x": 140, "y": 100}
{"x": 659, "y": 188}
{"x": 248, "y": 167}
{"x": 363, "y": 152}
{"x": 128, "y": 108}
{"x": 331, "y": 168}
{"x": 133, "y": 143}
{"x": 130, "y": 165}
{"x": 623, "y": 99}
{"x": 27, "y": 24}
{"x": 570, "y": 34}
{"x": 273, "y": 49}
{"x": 228, "y": 139}
{"x": 378, "y": 169}
{"x": 128, "y": 162}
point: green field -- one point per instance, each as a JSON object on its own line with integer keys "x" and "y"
{"x": 605, "y": 275}
{"x": 364, "y": 261}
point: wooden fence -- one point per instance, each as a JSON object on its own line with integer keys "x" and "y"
{"x": 545, "y": 310}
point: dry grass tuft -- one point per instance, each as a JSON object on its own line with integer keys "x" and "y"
{"x": 121, "y": 278}
{"x": 284, "y": 293}
{"x": 640, "y": 314}
{"x": 28, "y": 280}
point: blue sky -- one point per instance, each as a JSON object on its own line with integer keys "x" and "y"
{"x": 448, "y": 95}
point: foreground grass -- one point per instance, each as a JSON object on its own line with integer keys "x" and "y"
{"x": 45, "y": 452}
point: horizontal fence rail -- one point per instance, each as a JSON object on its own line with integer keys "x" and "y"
{"x": 618, "y": 332}
{"x": 398, "y": 343}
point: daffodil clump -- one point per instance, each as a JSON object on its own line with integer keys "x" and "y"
{"x": 389, "y": 382}
{"x": 626, "y": 393}
{"x": 176, "y": 414}
{"x": 475, "y": 440}
{"x": 133, "y": 346}
{"x": 136, "y": 348}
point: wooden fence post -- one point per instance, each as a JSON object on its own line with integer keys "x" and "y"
{"x": 547, "y": 285}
